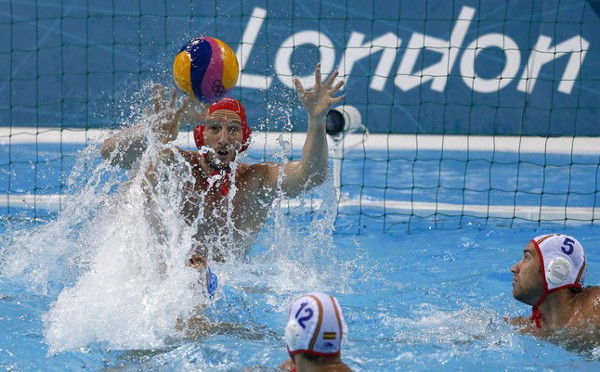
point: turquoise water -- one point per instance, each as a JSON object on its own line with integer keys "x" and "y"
{"x": 425, "y": 301}
{"x": 81, "y": 289}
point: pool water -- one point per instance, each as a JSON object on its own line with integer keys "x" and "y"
{"x": 81, "y": 289}
{"x": 425, "y": 301}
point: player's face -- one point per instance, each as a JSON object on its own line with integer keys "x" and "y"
{"x": 223, "y": 134}
{"x": 528, "y": 283}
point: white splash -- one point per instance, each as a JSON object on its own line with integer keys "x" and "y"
{"x": 115, "y": 258}
{"x": 137, "y": 284}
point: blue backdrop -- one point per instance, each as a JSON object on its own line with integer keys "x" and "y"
{"x": 433, "y": 67}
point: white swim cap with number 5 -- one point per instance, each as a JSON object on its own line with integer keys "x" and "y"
{"x": 563, "y": 260}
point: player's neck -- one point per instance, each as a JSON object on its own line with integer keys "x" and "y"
{"x": 323, "y": 365}
{"x": 558, "y": 308}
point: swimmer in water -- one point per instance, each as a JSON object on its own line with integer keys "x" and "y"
{"x": 221, "y": 133}
{"x": 314, "y": 333}
{"x": 550, "y": 278}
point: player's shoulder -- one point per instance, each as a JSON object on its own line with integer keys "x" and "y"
{"x": 587, "y": 302}
{"x": 587, "y": 306}
{"x": 259, "y": 174}
{"x": 259, "y": 168}
{"x": 590, "y": 296}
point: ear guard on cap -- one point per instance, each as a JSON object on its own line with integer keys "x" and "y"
{"x": 563, "y": 260}
{"x": 315, "y": 325}
{"x": 294, "y": 337}
{"x": 558, "y": 271}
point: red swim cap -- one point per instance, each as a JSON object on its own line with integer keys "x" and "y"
{"x": 230, "y": 104}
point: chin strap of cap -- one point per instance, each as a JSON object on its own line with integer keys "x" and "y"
{"x": 536, "y": 317}
{"x": 536, "y": 314}
{"x": 220, "y": 179}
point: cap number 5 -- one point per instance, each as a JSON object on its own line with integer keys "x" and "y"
{"x": 567, "y": 246}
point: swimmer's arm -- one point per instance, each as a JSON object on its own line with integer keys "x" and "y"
{"x": 312, "y": 169}
{"x": 525, "y": 326}
{"x": 590, "y": 307}
{"x": 518, "y": 321}
{"x": 126, "y": 147}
